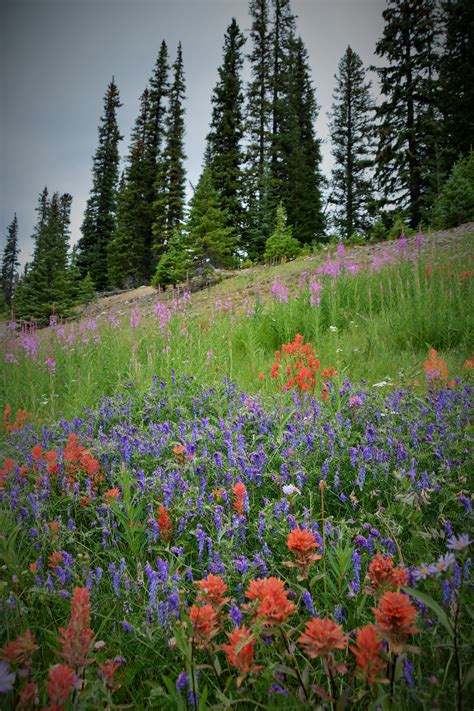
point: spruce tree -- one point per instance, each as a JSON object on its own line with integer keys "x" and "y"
{"x": 408, "y": 142}
{"x": 457, "y": 80}
{"x": 98, "y": 226}
{"x": 129, "y": 250}
{"x": 171, "y": 176}
{"x": 225, "y": 155}
{"x": 46, "y": 288}
{"x": 258, "y": 123}
{"x": 210, "y": 238}
{"x": 353, "y": 144}
{"x": 10, "y": 262}
{"x": 299, "y": 173}
{"x": 281, "y": 244}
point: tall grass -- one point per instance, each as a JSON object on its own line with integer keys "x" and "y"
{"x": 372, "y": 325}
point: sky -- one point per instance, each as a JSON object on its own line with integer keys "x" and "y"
{"x": 58, "y": 56}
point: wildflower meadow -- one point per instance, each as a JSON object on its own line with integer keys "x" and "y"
{"x": 255, "y": 497}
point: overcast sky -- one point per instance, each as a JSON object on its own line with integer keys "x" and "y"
{"x": 57, "y": 57}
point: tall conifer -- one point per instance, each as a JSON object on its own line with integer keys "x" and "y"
{"x": 170, "y": 181}
{"x": 225, "y": 155}
{"x": 408, "y": 145}
{"x": 353, "y": 137}
{"x": 98, "y": 226}
{"x": 10, "y": 262}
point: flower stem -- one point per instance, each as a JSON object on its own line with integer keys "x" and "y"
{"x": 300, "y": 679}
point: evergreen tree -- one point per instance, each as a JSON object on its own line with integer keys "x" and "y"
{"x": 299, "y": 161}
{"x": 170, "y": 182}
{"x": 281, "y": 244}
{"x": 98, "y": 226}
{"x": 10, "y": 262}
{"x": 46, "y": 287}
{"x": 352, "y": 136}
{"x": 174, "y": 264}
{"x": 455, "y": 204}
{"x": 457, "y": 80}
{"x": 211, "y": 240}
{"x": 258, "y": 122}
{"x": 225, "y": 156}
{"x": 408, "y": 146}
{"x": 282, "y": 36}
{"x": 129, "y": 250}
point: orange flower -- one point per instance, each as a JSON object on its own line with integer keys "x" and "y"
{"x": 204, "y": 622}
{"x": 241, "y": 649}
{"x": 164, "y": 524}
{"x": 212, "y": 589}
{"x": 54, "y": 527}
{"x": 469, "y": 363}
{"x": 301, "y": 543}
{"x": 55, "y": 559}
{"x": 370, "y": 664}
{"x": 322, "y": 636}
{"x": 111, "y": 495}
{"x": 179, "y": 451}
{"x": 394, "y": 616}
{"x": 239, "y": 492}
{"x": 273, "y": 604}
{"x": 77, "y": 639}
{"x": 60, "y": 684}
{"x": 383, "y": 575}
{"x": 37, "y": 452}
{"x": 20, "y": 650}
{"x": 435, "y": 368}
{"x": 107, "y": 671}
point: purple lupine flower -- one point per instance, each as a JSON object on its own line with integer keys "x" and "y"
{"x": 7, "y": 678}
{"x": 465, "y": 502}
{"x": 182, "y": 682}
{"x": 308, "y": 603}
{"x": 236, "y": 616}
{"x": 126, "y": 626}
{"x": 408, "y": 668}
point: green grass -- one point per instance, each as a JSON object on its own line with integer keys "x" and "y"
{"x": 372, "y": 326}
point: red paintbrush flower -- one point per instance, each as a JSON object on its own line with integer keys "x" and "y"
{"x": 322, "y": 636}
{"x": 164, "y": 524}
{"x": 273, "y": 605}
{"x": 21, "y": 649}
{"x": 370, "y": 665}
{"x": 204, "y": 623}
{"x": 240, "y": 651}
{"x": 78, "y": 638}
{"x": 395, "y": 614}
{"x": 212, "y": 589}
{"x": 60, "y": 684}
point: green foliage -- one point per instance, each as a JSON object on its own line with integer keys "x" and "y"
{"x": 281, "y": 244}
{"x": 175, "y": 263}
{"x": 352, "y": 136}
{"x": 10, "y": 263}
{"x": 211, "y": 241}
{"x": 455, "y": 204}
{"x": 399, "y": 227}
{"x": 47, "y": 287}
{"x": 168, "y": 206}
{"x": 99, "y": 224}
{"x": 224, "y": 141}
{"x": 86, "y": 291}
{"x": 408, "y": 119}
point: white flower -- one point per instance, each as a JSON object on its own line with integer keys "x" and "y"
{"x": 333, "y": 328}
{"x": 380, "y": 385}
{"x": 290, "y": 489}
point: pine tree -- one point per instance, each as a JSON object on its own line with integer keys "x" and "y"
{"x": 46, "y": 287}
{"x": 170, "y": 182}
{"x": 352, "y": 136}
{"x": 225, "y": 155}
{"x": 129, "y": 250}
{"x": 175, "y": 264}
{"x": 258, "y": 122}
{"x": 408, "y": 146}
{"x": 10, "y": 262}
{"x": 300, "y": 178}
{"x": 98, "y": 226}
{"x": 210, "y": 239}
{"x": 457, "y": 80}
{"x": 281, "y": 37}
{"x": 281, "y": 244}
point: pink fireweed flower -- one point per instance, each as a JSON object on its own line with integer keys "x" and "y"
{"x": 134, "y": 318}
{"x": 50, "y": 363}
{"x": 77, "y": 639}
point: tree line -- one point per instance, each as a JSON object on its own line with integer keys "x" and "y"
{"x": 261, "y": 193}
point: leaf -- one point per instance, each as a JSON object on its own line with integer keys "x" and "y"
{"x": 322, "y": 693}
{"x": 434, "y": 606}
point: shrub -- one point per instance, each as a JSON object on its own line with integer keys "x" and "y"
{"x": 281, "y": 244}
